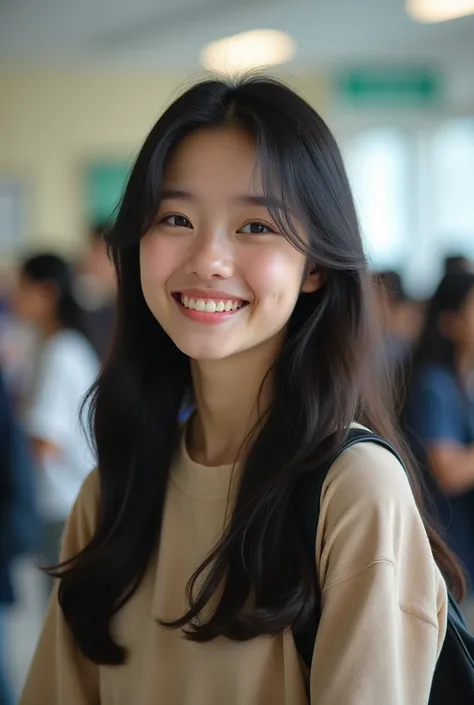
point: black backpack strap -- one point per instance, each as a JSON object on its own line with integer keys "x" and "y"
{"x": 308, "y": 500}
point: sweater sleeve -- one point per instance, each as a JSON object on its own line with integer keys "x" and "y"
{"x": 60, "y": 673}
{"x": 384, "y": 601}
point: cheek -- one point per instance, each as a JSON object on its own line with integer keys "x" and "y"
{"x": 157, "y": 262}
{"x": 276, "y": 275}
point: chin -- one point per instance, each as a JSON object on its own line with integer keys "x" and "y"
{"x": 204, "y": 351}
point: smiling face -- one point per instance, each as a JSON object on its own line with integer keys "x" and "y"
{"x": 215, "y": 271}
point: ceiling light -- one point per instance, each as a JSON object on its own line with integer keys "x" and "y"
{"x": 439, "y": 10}
{"x": 257, "y": 48}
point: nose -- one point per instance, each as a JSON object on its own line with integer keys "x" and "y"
{"x": 211, "y": 256}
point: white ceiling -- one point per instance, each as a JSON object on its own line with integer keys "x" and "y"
{"x": 164, "y": 34}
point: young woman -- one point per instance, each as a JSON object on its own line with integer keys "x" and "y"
{"x": 66, "y": 367}
{"x": 241, "y": 279}
{"x": 440, "y": 413}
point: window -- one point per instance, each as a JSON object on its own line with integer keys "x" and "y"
{"x": 414, "y": 192}
{"x": 453, "y": 183}
{"x": 379, "y": 171}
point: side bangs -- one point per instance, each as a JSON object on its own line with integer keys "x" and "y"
{"x": 281, "y": 191}
{"x": 298, "y": 203}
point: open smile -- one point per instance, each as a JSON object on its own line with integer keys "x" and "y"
{"x": 207, "y": 309}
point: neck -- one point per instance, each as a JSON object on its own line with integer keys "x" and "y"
{"x": 232, "y": 396}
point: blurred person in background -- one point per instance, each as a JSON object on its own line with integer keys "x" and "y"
{"x": 66, "y": 367}
{"x": 400, "y": 318}
{"x": 399, "y": 323}
{"x": 96, "y": 290}
{"x": 440, "y": 413}
{"x": 19, "y": 524}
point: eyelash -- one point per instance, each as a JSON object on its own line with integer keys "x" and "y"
{"x": 164, "y": 219}
{"x": 269, "y": 229}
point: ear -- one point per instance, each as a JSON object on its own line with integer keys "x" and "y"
{"x": 313, "y": 281}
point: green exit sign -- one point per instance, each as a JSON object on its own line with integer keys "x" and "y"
{"x": 389, "y": 87}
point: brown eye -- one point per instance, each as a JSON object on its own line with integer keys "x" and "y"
{"x": 255, "y": 227}
{"x": 177, "y": 221}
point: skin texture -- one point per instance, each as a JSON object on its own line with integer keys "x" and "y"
{"x": 216, "y": 236}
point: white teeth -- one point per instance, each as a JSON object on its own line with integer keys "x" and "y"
{"x": 210, "y": 305}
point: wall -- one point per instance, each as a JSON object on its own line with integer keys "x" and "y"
{"x": 52, "y": 122}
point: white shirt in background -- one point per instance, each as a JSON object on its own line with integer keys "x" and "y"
{"x": 67, "y": 367}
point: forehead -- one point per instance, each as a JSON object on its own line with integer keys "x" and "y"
{"x": 221, "y": 160}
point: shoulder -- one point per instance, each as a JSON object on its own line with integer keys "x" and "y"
{"x": 368, "y": 516}
{"x": 67, "y": 341}
{"x": 436, "y": 409}
{"x": 88, "y": 499}
{"x": 90, "y": 490}
{"x": 369, "y": 473}
{"x": 371, "y": 532}
{"x": 83, "y": 520}
{"x": 69, "y": 350}
{"x": 436, "y": 377}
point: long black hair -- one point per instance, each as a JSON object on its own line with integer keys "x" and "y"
{"x": 434, "y": 348}
{"x": 49, "y": 268}
{"x": 323, "y": 381}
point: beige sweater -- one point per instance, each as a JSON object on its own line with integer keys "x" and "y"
{"x": 384, "y": 605}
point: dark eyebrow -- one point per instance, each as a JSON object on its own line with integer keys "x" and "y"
{"x": 168, "y": 194}
{"x": 265, "y": 201}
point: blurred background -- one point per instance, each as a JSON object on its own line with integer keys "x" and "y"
{"x": 82, "y": 83}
